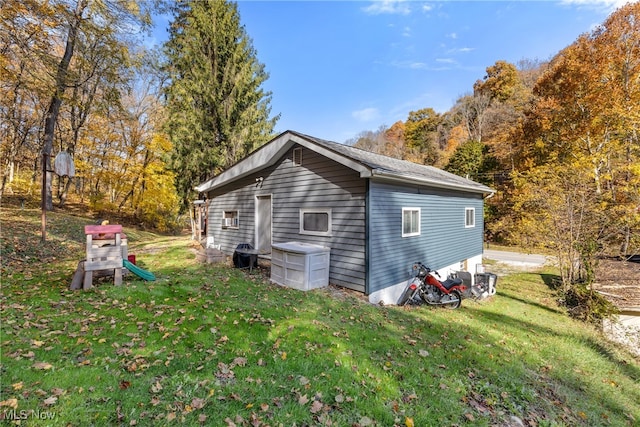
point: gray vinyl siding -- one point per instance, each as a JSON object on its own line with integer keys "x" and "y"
{"x": 318, "y": 183}
{"x": 443, "y": 240}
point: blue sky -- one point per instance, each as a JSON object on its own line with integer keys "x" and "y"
{"x": 338, "y": 68}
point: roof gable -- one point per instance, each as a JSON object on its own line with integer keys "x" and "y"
{"x": 369, "y": 165}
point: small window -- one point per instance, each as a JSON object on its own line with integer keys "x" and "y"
{"x": 297, "y": 156}
{"x": 410, "y": 222}
{"x": 230, "y": 219}
{"x": 315, "y": 221}
{"x": 469, "y": 217}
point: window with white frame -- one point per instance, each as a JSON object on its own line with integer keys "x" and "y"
{"x": 410, "y": 222}
{"x": 315, "y": 222}
{"x": 469, "y": 217}
{"x": 230, "y": 219}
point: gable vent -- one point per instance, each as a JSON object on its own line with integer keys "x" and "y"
{"x": 297, "y": 156}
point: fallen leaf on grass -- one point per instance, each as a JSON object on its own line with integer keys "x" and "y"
{"x": 50, "y": 401}
{"x": 316, "y": 407}
{"x": 42, "y": 366}
{"x": 240, "y": 361}
{"x": 11, "y": 403}
{"x": 410, "y": 340}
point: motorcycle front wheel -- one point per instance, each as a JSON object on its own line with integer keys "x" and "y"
{"x": 455, "y": 300}
{"x": 406, "y": 296}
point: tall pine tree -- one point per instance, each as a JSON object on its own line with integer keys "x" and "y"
{"x": 217, "y": 110}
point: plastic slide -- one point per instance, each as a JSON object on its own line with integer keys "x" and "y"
{"x": 146, "y": 275}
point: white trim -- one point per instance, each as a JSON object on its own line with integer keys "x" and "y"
{"x": 233, "y": 222}
{"x": 315, "y": 210}
{"x": 473, "y": 211}
{"x": 414, "y": 233}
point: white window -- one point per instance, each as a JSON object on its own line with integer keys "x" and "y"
{"x": 469, "y": 217}
{"x": 410, "y": 222}
{"x": 315, "y": 221}
{"x": 230, "y": 219}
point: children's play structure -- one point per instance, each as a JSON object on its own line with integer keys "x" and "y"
{"x": 106, "y": 254}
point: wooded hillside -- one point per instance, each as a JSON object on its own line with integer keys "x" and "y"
{"x": 558, "y": 140}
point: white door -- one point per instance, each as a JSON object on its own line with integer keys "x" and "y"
{"x": 263, "y": 223}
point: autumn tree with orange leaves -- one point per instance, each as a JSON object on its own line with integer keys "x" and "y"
{"x": 583, "y": 129}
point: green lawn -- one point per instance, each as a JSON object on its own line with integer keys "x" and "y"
{"x": 205, "y": 345}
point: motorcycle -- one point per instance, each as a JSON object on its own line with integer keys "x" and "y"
{"x": 427, "y": 288}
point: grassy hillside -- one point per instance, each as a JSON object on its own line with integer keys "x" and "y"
{"x": 206, "y": 345}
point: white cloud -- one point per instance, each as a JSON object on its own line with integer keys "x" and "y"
{"x": 416, "y": 65}
{"x": 406, "y": 32}
{"x": 607, "y": 4}
{"x": 366, "y": 114}
{"x": 399, "y": 7}
{"x": 460, "y": 50}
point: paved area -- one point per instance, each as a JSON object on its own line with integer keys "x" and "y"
{"x": 625, "y": 329}
{"x": 517, "y": 259}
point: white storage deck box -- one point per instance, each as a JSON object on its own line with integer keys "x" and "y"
{"x": 299, "y": 265}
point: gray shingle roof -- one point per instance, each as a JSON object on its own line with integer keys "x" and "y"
{"x": 389, "y": 166}
{"x": 367, "y": 163}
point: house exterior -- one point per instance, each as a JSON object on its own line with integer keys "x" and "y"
{"x": 377, "y": 214}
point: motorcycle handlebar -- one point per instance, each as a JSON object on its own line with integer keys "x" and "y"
{"x": 421, "y": 266}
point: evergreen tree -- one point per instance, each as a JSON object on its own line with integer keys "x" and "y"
{"x": 217, "y": 110}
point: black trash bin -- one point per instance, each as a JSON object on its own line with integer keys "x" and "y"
{"x": 242, "y": 259}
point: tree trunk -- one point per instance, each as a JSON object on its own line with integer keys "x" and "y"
{"x": 54, "y": 110}
{"x": 64, "y": 192}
